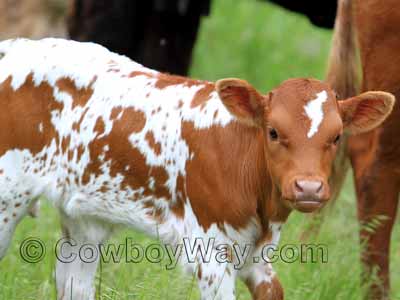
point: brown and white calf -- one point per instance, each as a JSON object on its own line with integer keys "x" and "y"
{"x": 112, "y": 143}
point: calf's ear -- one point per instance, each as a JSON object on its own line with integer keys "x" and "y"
{"x": 242, "y": 100}
{"x": 366, "y": 111}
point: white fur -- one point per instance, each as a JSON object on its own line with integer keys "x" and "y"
{"x": 315, "y": 112}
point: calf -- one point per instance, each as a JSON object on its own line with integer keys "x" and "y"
{"x": 112, "y": 143}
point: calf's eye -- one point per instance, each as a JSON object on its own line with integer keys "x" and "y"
{"x": 273, "y": 134}
{"x": 337, "y": 139}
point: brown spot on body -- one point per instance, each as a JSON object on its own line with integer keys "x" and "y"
{"x": 132, "y": 120}
{"x": 139, "y": 73}
{"x": 155, "y": 146}
{"x": 155, "y": 212}
{"x": 199, "y": 272}
{"x": 104, "y": 189}
{"x": 80, "y": 151}
{"x": 115, "y": 112}
{"x": 80, "y": 96}
{"x": 70, "y": 155}
{"x": 77, "y": 125}
{"x": 165, "y": 80}
{"x": 215, "y": 114}
{"x": 65, "y": 142}
{"x": 125, "y": 159}
{"x": 24, "y": 122}
{"x": 179, "y": 207}
{"x": 99, "y": 127}
{"x": 202, "y": 95}
{"x": 210, "y": 281}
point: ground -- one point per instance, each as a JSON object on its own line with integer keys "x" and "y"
{"x": 264, "y": 45}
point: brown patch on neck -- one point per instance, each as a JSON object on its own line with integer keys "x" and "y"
{"x": 225, "y": 177}
{"x": 23, "y": 112}
{"x": 273, "y": 209}
{"x": 80, "y": 96}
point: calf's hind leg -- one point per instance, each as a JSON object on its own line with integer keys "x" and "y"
{"x": 15, "y": 203}
{"x": 78, "y": 256}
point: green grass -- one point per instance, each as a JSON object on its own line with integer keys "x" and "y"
{"x": 264, "y": 45}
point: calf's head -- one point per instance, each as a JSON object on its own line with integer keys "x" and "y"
{"x": 302, "y": 124}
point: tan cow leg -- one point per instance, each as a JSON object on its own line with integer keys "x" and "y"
{"x": 377, "y": 186}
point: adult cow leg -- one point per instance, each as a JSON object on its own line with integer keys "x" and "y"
{"x": 78, "y": 257}
{"x": 377, "y": 187}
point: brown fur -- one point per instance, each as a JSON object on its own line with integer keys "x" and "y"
{"x": 25, "y": 123}
{"x": 374, "y": 155}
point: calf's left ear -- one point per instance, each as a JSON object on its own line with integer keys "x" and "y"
{"x": 242, "y": 100}
{"x": 366, "y": 111}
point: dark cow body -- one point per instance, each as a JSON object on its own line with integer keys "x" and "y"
{"x": 161, "y": 33}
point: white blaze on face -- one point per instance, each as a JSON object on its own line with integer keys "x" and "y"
{"x": 315, "y": 113}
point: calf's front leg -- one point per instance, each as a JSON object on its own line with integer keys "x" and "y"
{"x": 216, "y": 280}
{"x": 262, "y": 282}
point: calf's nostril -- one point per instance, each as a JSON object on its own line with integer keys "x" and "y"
{"x": 298, "y": 186}
{"x": 308, "y": 187}
{"x": 319, "y": 189}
